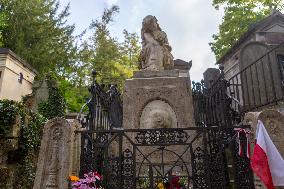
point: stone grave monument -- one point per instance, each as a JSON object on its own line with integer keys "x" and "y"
{"x": 158, "y": 95}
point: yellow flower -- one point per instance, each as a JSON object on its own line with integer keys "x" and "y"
{"x": 161, "y": 186}
{"x": 74, "y": 178}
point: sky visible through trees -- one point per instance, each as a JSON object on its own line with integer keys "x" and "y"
{"x": 51, "y": 43}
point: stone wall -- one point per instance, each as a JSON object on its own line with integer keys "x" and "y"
{"x": 8, "y": 143}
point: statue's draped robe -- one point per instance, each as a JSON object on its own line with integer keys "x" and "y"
{"x": 152, "y": 53}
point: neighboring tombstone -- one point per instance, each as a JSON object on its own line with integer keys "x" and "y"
{"x": 210, "y": 76}
{"x": 40, "y": 94}
{"x": 273, "y": 121}
{"x": 58, "y": 157}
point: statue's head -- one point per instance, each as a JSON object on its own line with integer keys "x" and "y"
{"x": 150, "y": 24}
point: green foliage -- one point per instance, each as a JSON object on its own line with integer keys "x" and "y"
{"x": 26, "y": 172}
{"x": 8, "y": 111}
{"x": 29, "y": 142}
{"x": 2, "y": 27}
{"x": 32, "y": 132}
{"x": 239, "y": 15}
{"x": 75, "y": 96}
{"x": 36, "y": 30}
{"x": 29, "y": 145}
{"x": 113, "y": 61}
{"x": 38, "y": 33}
{"x": 55, "y": 106}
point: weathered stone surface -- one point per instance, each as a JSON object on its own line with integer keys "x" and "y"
{"x": 7, "y": 177}
{"x": 76, "y": 147}
{"x": 158, "y": 114}
{"x": 151, "y": 74}
{"x": 273, "y": 121}
{"x": 210, "y": 76}
{"x": 57, "y": 159}
{"x": 182, "y": 65}
{"x": 175, "y": 91}
{"x": 40, "y": 94}
{"x": 156, "y": 51}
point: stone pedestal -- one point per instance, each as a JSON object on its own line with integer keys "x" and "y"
{"x": 158, "y": 99}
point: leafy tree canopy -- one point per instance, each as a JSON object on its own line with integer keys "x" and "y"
{"x": 239, "y": 15}
{"x": 2, "y": 26}
{"x": 113, "y": 60}
{"x": 38, "y": 33}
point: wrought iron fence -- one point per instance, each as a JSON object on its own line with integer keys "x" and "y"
{"x": 227, "y": 100}
{"x": 198, "y": 157}
{"x": 259, "y": 84}
{"x": 104, "y": 107}
{"x": 195, "y": 157}
{"x": 213, "y": 106}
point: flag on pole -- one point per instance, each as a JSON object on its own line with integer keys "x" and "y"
{"x": 266, "y": 161}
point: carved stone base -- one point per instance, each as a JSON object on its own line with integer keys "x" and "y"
{"x": 161, "y": 101}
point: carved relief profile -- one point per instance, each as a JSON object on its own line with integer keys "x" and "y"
{"x": 156, "y": 51}
{"x": 158, "y": 114}
{"x": 53, "y": 166}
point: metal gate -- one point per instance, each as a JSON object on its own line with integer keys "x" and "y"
{"x": 194, "y": 157}
{"x": 205, "y": 156}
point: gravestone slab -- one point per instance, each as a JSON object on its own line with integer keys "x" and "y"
{"x": 57, "y": 155}
{"x": 210, "y": 76}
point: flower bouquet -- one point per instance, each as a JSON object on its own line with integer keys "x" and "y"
{"x": 90, "y": 181}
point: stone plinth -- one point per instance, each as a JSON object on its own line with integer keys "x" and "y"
{"x": 161, "y": 98}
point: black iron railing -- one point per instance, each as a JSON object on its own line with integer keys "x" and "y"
{"x": 104, "y": 107}
{"x": 227, "y": 100}
{"x": 259, "y": 84}
{"x": 213, "y": 106}
{"x": 202, "y": 157}
{"x": 143, "y": 158}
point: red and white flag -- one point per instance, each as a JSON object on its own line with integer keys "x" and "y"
{"x": 266, "y": 161}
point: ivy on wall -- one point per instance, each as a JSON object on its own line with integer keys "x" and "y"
{"x": 25, "y": 158}
{"x": 29, "y": 146}
{"x": 55, "y": 106}
{"x": 8, "y": 111}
